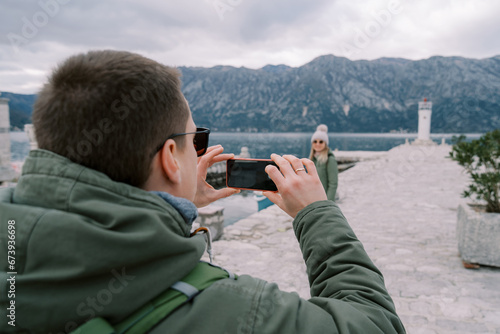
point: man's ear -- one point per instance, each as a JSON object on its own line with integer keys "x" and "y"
{"x": 168, "y": 161}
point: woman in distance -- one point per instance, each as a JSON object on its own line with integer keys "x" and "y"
{"x": 324, "y": 160}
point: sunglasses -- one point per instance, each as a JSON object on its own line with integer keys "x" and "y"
{"x": 200, "y": 141}
{"x": 318, "y": 142}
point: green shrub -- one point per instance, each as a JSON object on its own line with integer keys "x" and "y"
{"x": 481, "y": 159}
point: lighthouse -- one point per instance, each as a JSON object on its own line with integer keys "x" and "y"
{"x": 6, "y": 171}
{"x": 424, "y": 123}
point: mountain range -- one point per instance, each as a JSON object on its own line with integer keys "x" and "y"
{"x": 380, "y": 95}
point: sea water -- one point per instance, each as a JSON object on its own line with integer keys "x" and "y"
{"x": 261, "y": 145}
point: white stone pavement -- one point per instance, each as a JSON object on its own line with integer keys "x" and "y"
{"x": 403, "y": 207}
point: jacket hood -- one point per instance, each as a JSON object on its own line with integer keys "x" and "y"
{"x": 88, "y": 246}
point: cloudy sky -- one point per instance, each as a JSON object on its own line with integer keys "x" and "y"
{"x": 37, "y": 34}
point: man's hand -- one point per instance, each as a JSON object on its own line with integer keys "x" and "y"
{"x": 205, "y": 193}
{"x": 297, "y": 188}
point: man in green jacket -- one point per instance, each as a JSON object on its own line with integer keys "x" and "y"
{"x": 99, "y": 222}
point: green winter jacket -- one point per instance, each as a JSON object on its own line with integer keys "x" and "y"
{"x": 329, "y": 175}
{"x": 87, "y": 246}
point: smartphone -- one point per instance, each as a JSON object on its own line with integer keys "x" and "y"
{"x": 249, "y": 174}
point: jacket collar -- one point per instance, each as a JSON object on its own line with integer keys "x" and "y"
{"x": 186, "y": 208}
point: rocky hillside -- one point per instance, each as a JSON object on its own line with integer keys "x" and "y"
{"x": 349, "y": 96}
{"x": 20, "y": 108}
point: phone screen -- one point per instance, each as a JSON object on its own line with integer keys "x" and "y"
{"x": 249, "y": 174}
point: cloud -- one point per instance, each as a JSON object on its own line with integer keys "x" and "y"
{"x": 261, "y": 21}
{"x": 249, "y": 33}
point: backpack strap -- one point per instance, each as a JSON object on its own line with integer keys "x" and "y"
{"x": 154, "y": 311}
{"x": 95, "y": 325}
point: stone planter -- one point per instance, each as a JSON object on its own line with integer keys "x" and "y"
{"x": 478, "y": 235}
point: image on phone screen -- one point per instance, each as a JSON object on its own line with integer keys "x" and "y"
{"x": 249, "y": 174}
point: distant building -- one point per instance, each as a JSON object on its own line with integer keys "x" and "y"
{"x": 244, "y": 153}
{"x": 6, "y": 171}
{"x": 30, "y": 131}
{"x": 424, "y": 124}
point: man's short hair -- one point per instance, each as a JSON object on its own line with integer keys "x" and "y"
{"x": 109, "y": 110}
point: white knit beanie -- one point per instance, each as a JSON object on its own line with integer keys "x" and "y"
{"x": 321, "y": 133}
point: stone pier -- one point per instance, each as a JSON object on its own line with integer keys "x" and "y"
{"x": 403, "y": 207}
